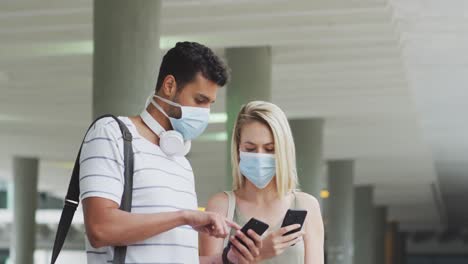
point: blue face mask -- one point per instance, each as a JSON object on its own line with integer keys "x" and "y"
{"x": 258, "y": 168}
{"x": 192, "y": 122}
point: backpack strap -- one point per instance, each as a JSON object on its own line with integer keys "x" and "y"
{"x": 126, "y": 203}
{"x": 231, "y": 209}
{"x": 72, "y": 197}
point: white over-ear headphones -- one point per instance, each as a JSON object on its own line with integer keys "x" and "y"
{"x": 171, "y": 142}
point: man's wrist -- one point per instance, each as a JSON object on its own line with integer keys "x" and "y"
{"x": 183, "y": 216}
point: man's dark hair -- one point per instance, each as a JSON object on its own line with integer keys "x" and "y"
{"x": 186, "y": 60}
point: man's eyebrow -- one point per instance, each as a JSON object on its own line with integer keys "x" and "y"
{"x": 206, "y": 98}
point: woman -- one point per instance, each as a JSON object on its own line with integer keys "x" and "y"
{"x": 264, "y": 187}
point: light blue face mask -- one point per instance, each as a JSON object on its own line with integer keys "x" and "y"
{"x": 258, "y": 168}
{"x": 193, "y": 120}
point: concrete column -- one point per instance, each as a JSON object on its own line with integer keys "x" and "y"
{"x": 364, "y": 240}
{"x": 380, "y": 227}
{"x": 308, "y": 138}
{"x": 126, "y": 54}
{"x": 25, "y": 172}
{"x": 340, "y": 210}
{"x": 392, "y": 244}
{"x": 396, "y": 244}
{"x": 250, "y": 80}
{"x": 401, "y": 248}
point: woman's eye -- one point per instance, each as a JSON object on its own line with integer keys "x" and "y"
{"x": 250, "y": 149}
{"x": 270, "y": 150}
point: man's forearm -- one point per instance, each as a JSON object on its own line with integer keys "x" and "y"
{"x": 114, "y": 227}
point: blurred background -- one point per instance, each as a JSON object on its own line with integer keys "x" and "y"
{"x": 376, "y": 92}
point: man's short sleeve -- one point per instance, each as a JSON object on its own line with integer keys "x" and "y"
{"x": 101, "y": 162}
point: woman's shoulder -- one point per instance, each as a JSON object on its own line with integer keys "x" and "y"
{"x": 218, "y": 203}
{"x": 311, "y": 204}
{"x": 308, "y": 201}
{"x": 219, "y": 197}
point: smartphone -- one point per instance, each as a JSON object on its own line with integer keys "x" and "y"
{"x": 257, "y": 226}
{"x": 294, "y": 217}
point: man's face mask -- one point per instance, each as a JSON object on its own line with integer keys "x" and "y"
{"x": 192, "y": 122}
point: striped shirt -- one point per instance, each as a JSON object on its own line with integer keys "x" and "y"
{"x": 160, "y": 184}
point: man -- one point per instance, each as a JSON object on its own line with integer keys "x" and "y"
{"x": 163, "y": 224}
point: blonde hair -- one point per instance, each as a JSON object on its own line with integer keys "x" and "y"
{"x": 285, "y": 153}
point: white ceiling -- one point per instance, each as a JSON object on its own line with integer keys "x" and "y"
{"x": 435, "y": 38}
{"x": 387, "y": 77}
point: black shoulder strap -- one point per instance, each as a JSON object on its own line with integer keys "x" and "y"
{"x": 72, "y": 198}
{"x": 126, "y": 203}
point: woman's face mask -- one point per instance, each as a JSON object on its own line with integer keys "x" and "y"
{"x": 258, "y": 168}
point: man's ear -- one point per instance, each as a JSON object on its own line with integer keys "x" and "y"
{"x": 169, "y": 86}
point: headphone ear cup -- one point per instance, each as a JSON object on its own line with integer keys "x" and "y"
{"x": 172, "y": 143}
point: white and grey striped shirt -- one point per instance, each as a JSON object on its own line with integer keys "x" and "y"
{"x": 160, "y": 184}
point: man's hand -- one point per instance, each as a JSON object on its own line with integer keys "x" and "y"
{"x": 239, "y": 254}
{"x": 213, "y": 224}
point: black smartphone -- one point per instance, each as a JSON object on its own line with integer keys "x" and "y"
{"x": 294, "y": 217}
{"x": 257, "y": 226}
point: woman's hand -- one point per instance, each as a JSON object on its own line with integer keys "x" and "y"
{"x": 238, "y": 253}
{"x": 275, "y": 243}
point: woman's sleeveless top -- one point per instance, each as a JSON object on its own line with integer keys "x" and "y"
{"x": 292, "y": 255}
